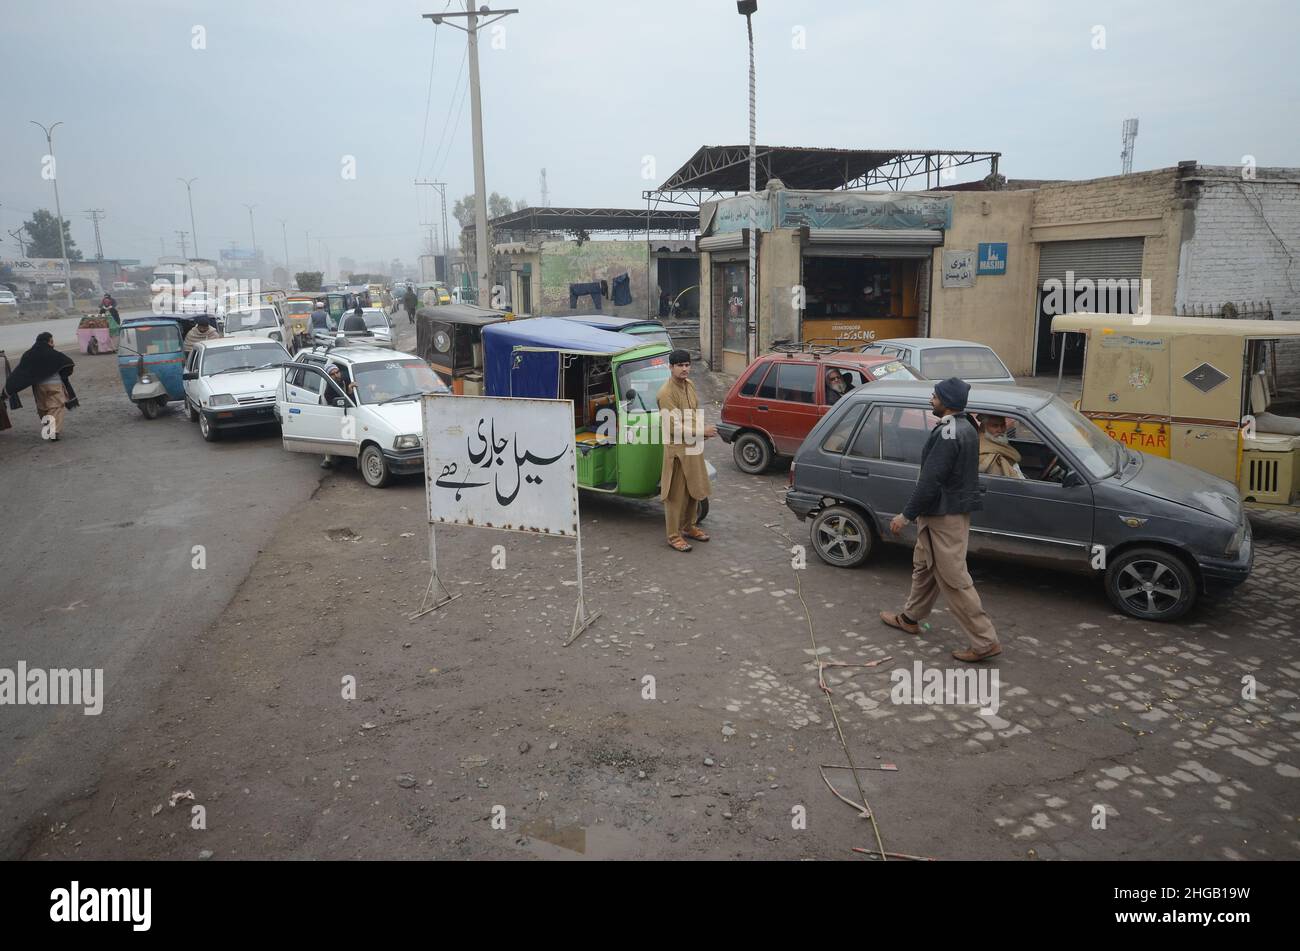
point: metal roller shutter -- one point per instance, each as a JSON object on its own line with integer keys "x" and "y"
{"x": 883, "y": 251}
{"x": 1098, "y": 260}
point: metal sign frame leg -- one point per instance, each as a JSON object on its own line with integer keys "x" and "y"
{"x": 431, "y": 600}
{"x": 581, "y": 619}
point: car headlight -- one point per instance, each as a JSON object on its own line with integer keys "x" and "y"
{"x": 407, "y": 442}
{"x": 1234, "y": 546}
{"x": 223, "y": 399}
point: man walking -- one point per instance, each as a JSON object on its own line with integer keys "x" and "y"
{"x": 946, "y": 492}
{"x": 410, "y": 302}
{"x": 684, "y": 480}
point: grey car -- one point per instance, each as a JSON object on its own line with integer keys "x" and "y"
{"x": 1158, "y": 532}
{"x": 938, "y": 359}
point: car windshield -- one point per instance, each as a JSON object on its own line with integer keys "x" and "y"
{"x": 299, "y": 306}
{"x": 242, "y": 356}
{"x": 968, "y": 363}
{"x": 652, "y": 335}
{"x": 645, "y": 376}
{"x": 896, "y": 370}
{"x": 262, "y": 317}
{"x": 386, "y": 379}
{"x": 375, "y": 319}
{"x": 1098, "y": 453}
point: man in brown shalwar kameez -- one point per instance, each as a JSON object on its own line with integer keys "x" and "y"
{"x": 684, "y": 481}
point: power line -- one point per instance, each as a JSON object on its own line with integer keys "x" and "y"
{"x": 428, "y": 100}
{"x": 442, "y": 138}
{"x": 454, "y": 129}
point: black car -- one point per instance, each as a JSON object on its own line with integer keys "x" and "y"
{"x": 1157, "y": 531}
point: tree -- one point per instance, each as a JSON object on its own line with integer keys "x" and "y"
{"x": 463, "y": 210}
{"x": 309, "y": 280}
{"x": 521, "y": 204}
{"x": 43, "y": 237}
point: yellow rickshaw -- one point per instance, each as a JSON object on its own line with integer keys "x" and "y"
{"x": 1198, "y": 390}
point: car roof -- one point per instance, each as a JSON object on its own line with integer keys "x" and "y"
{"x": 223, "y": 343}
{"x": 846, "y": 356}
{"x": 924, "y": 343}
{"x": 360, "y": 354}
{"x": 993, "y": 397}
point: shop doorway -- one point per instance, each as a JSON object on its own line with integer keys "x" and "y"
{"x": 679, "y": 288}
{"x": 853, "y": 299}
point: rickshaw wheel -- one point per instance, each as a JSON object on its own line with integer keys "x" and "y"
{"x": 702, "y": 511}
{"x": 92, "y": 346}
{"x": 150, "y": 408}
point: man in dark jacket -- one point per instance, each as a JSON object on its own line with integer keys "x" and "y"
{"x": 410, "y": 302}
{"x": 947, "y": 491}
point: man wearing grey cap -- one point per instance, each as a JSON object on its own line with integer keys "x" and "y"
{"x": 684, "y": 481}
{"x": 947, "y": 491}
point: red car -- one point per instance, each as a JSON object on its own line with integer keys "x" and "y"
{"x": 780, "y": 397}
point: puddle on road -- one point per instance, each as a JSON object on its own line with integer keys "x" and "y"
{"x": 547, "y": 839}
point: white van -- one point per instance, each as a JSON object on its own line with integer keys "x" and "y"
{"x": 376, "y": 421}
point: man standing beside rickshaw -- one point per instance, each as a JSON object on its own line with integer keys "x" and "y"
{"x": 684, "y": 481}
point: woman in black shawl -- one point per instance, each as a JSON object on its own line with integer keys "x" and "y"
{"x": 46, "y": 371}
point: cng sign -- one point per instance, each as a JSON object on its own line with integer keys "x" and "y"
{"x": 992, "y": 258}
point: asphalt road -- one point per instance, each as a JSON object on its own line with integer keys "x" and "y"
{"x": 96, "y": 566}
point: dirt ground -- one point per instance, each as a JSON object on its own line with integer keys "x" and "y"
{"x": 475, "y": 733}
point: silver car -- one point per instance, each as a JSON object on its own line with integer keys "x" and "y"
{"x": 937, "y": 359}
{"x": 1159, "y": 533}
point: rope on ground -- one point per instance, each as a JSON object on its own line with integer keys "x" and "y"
{"x": 863, "y": 807}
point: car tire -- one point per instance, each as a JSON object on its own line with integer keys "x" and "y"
{"x": 193, "y": 411}
{"x": 702, "y": 511}
{"x": 374, "y": 467}
{"x": 841, "y": 536}
{"x": 1151, "y": 584}
{"x": 752, "y": 453}
{"x": 208, "y": 429}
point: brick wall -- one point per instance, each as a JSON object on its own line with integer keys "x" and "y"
{"x": 1140, "y": 195}
{"x": 1245, "y": 246}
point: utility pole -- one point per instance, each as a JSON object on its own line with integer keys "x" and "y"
{"x": 181, "y": 235}
{"x": 94, "y": 214}
{"x": 187, "y": 182}
{"x": 54, "y": 177}
{"x": 546, "y": 192}
{"x": 471, "y": 28}
{"x": 307, "y": 237}
{"x": 442, "y": 191}
{"x": 284, "y": 233}
{"x": 747, "y": 9}
{"x": 18, "y": 236}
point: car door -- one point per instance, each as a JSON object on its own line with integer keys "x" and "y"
{"x": 307, "y": 425}
{"x": 193, "y": 391}
{"x": 787, "y": 406}
{"x": 739, "y": 410}
{"x": 903, "y": 430}
{"x": 1041, "y": 521}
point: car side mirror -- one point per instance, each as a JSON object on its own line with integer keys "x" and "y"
{"x": 340, "y": 402}
{"x": 189, "y": 376}
{"x": 1073, "y": 480}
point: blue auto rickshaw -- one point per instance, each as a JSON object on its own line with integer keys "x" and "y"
{"x": 151, "y": 359}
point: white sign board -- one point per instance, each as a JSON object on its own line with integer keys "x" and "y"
{"x": 959, "y": 269}
{"x": 498, "y": 462}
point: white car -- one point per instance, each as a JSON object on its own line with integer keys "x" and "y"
{"x": 376, "y": 421}
{"x": 937, "y": 359}
{"x": 200, "y": 302}
{"x": 8, "y": 298}
{"x": 258, "y": 320}
{"x": 231, "y": 382}
{"x": 378, "y": 333}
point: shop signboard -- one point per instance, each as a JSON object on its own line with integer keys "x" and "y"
{"x": 852, "y": 210}
{"x": 993, "y": 258}
{"x": 959, "y": 269}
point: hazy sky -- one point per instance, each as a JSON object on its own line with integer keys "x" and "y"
{"x": 285, "y": 90}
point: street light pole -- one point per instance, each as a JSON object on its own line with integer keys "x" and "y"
{"x": 63, "y": 244}
{"x": 748, "y": 8}
{"x": 284, "y": 233}
{"x": 187, "y": 182}
{"x": 253, "y": 231}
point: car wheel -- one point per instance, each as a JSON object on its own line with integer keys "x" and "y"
{"x": 841, "y": 536}
{"x": 150, "y": 408}
{"x": 207, "y": 429}
{"x": 702, "y": 512}
{"x": 1151, "y": 584}
{"x": 752, "y": 452}
{"x": 374, "y": 467}
{"x": 193, "y": 411}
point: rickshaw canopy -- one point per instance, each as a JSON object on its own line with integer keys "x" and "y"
{"x": 541, "y": 341}
{"x": 1200, "y": 326}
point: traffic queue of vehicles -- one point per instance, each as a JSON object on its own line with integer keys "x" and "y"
{"x": 852, "y": 425}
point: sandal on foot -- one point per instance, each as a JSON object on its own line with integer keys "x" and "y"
{"x": 696, "y": 534}
{"x": 679, "y": 544}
